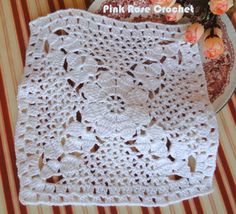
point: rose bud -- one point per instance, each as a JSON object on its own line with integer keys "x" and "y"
{"x": 194, "y": 33}
{"x": 219, "y": 7}
{"x": 216, "y": 32}
{"x": 175, "y": 16}
{"x": 213, "y": 47}
{"x": 164, "y": 3}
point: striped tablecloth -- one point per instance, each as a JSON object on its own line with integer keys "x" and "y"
{"x": 14, "y": 34}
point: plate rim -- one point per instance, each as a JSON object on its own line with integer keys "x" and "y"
{"x": 229, "y": 90}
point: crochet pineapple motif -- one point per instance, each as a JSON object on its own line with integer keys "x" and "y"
{"x": 112, "y": 113}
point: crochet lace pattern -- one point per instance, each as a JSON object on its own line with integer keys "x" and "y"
{"x": 112, "y": 113}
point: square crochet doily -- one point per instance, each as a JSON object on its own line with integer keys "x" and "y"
{"x": 112, "y": 113}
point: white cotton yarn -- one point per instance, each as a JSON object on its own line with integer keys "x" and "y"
{"x": 112, "y": 113}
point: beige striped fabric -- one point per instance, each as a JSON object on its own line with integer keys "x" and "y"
{"x": 14, "y": 33}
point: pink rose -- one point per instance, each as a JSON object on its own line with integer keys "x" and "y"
{"x": 213, "y": 47}
{"x": 219, "y": 7}
{"x": 194, "y": 33}
{"x": 174, "y": 16}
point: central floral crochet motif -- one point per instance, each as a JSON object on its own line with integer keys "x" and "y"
{"x": 115, "y": 104}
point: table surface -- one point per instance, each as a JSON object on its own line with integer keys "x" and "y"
{"x": 14, "y": 34}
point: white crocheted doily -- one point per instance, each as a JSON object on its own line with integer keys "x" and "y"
{"x": 112, "y": 113}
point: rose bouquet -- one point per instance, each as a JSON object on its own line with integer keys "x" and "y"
{"x": 204, "y": 22}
